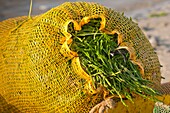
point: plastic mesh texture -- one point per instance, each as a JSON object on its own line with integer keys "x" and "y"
{"x": 161, "y": 108}
{"x": 35, "y": 70}
{"x": 165, "y": 88}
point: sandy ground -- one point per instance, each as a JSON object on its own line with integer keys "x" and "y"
{"x": 13, "y": 8}
{"x": 153, "y": 16}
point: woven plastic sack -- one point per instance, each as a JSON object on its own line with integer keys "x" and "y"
{"x": 142, "y": 105}
{"x": 35, "y": 72}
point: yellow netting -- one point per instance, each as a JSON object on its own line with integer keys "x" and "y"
{"x": 35, "y": 75}
{"x": 141, "y": 105}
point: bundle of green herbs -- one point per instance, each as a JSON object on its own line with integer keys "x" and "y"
{"x": 107, "y": 65}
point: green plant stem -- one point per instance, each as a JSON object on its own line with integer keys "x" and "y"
{"x": 107, "y": 66}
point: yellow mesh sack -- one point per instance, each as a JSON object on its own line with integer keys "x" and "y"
{"x": 143, "y": 106}
{"x": 35, "y": 75}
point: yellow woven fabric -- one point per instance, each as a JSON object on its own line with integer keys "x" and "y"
{"x": 140, "y": 105}
{"x": 35, "y": 75}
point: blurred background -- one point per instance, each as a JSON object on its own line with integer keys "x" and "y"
{"x": 152, "y": 16}
{"x": 13, "y": 8}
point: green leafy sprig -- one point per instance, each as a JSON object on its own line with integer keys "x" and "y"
{"x": 107, "y": 65}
